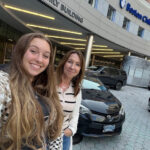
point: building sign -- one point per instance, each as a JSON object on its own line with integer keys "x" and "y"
{"x": 135, "y": 13}
{"x": 122, "y": 3}
{"x": 57, "y": 4}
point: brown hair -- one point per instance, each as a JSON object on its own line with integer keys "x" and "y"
{"x": 76, "y": 80}
{"x": 26, "y": 120}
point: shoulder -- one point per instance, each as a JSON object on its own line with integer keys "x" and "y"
{"x": 4, "y": 80}
{"x": 5, "y": 93}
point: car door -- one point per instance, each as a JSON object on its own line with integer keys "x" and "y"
{"x": 114, "y": 76}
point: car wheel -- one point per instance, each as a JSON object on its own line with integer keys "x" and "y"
{"x": 77, "y": 138}
{"x": 118, "y": 85}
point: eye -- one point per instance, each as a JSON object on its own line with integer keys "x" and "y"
{"x": 69, "y": 61}
{"x": 78, "y": 65}
{"x": 46, "y": 56}
{"x": 33, "y": 51}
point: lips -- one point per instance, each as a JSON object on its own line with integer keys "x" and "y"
{"x": 72, "y": 72}
{"x": 36, "y": 66}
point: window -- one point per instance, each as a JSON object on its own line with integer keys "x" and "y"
{"x": 105, "y": 71}
{"x": 114, "y": 72}
{"x": 126, "y": 23}
{"x": 140, "y": 32}
{"x": 111, "y": 13}
{"x": 91, "y": 2}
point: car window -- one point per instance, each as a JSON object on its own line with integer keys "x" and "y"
{"x": 105, "y": 71}
{"x": 87, "y": 84}
{"x": 114, "y": 71}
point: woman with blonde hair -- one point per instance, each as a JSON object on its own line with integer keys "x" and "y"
{"x": 30, "y": 111}
{"x": 70, "y": 72}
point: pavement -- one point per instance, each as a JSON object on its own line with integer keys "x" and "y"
{"x": 136, "y": 129}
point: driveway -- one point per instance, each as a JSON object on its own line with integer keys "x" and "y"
{"x": 136, "y": 129}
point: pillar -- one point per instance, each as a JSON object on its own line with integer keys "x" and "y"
{"x": 88, "y": 50}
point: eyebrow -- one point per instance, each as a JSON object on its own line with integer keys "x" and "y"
{"x": 76, "y": 61}
{"x": 38, "y": 48}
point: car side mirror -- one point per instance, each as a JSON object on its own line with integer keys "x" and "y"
{"x": 103, "y": 72}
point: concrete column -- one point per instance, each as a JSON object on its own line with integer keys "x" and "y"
{"x": 88, "y": 50}
{"x": 145, "y": 58}
{"x": 129, "y": 53}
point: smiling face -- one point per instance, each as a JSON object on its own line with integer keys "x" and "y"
{"x": 72, "y": 66}
{"x": 36, "y": 58}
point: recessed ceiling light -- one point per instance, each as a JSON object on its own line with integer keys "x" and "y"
{"x": 65, "y": 43}
{"x": 99, "y": 45}
{"x": 29, "y": 12}
{"x": 53, "y": 29}
{"x": 66, "y": 38}
{"x": 113, "y": 56}
{"x": 101, "y": 49}
{"x": 105, "y": 52}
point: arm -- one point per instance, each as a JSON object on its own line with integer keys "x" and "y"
{"x": 75, "y": 115}
{"x": 5, "y": 97}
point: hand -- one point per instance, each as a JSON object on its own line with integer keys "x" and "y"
{"x": 68, "y": 132}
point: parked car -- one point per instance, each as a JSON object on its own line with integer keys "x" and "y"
{"x": 101, "y": 113}
{"x": 149, "y": 104}
{"x": 111, "y": 77}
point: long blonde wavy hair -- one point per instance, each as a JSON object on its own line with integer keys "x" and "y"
{"x": 26, "y": 125}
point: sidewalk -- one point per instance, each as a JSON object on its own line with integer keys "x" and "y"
{"x": 136, "y": 129}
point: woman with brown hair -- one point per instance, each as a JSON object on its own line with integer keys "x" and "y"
{"x": 30, "y": 111}
{"x": 70, "y": 72}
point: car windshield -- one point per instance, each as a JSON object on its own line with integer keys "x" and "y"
{"x": 94, "y": 68}
{"x": 88, "y": 84}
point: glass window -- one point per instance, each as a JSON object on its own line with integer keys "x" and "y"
{"x": 126, "y": 23}
{"x": 131, "y": 71}
{"x": 91, "y": 2}
{"x": 111, "y": 13}
{"x": 138, "y": 73}
{"x": 140, "y": 31}
{"x": 90, "y": 85}
{"x": 146, "y": 74}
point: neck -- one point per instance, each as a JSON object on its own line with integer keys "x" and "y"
{"x": 65, "y": 83}
{"x": 65, "y": 80}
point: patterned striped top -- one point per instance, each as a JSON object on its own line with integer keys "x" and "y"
{"x": 70, "y": 105}
{"x": 5, "y": 98}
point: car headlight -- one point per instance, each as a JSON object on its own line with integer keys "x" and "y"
{"x": 121, "y": 112}
{"x": 98, "y": 118}
{"x": 84, "y": 110}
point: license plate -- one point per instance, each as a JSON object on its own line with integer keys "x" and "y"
{"x": 108, "y": 128}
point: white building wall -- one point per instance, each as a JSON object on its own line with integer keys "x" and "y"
{"x": 119, "y": 19}
{"x": 102, "y": 7}
{"x": 133, "y": 28}
{"x": 95, "y": 20}
{"x": 146, "y": 35}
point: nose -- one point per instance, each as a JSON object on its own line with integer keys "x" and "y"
{"x": 72, "y": 66}
{"x": 39, "y": 58}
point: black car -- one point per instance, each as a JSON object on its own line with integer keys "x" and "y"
{"x": 112, "y": 77}
{"x": 101, "y": 113}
